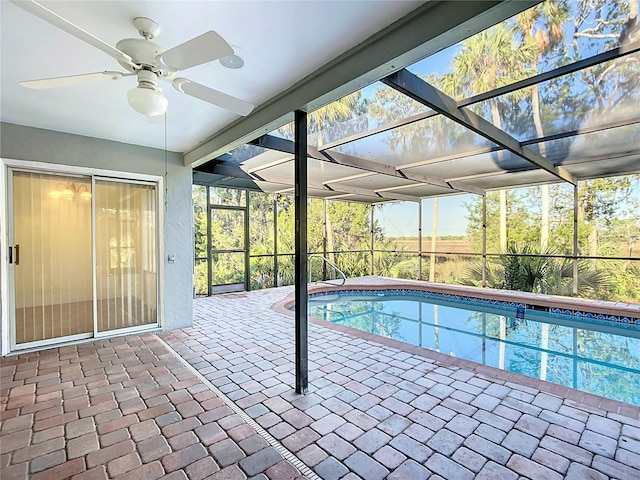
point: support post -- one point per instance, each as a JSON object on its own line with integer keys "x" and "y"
{"x": 373, "y": 260}
{"x": 247, "y": 242}
{"x": 324, "y": 238}
{"x": 420, "y": 248}
{"x": 300, "y": 180}
{"x": 209, "y": 259}
{"x": 275, "y": 239}
{"x": 484, "y": 240}
{"x": 576, "y": 273}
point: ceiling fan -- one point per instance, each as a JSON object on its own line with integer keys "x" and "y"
{"x": 148, "y": 61}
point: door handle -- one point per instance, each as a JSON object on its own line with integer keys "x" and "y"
{"x": 17, "y": 254}
{"x": 10, "y": 255}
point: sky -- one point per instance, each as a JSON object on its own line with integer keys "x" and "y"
{"x": 401, "y": 219}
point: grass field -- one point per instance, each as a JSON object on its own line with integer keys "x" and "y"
{"x": 464, "y": 246}
{"x": 449, "y": 246}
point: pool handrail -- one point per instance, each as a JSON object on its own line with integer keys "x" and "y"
{"x": 332, "y": 265}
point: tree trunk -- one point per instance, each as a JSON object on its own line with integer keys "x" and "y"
{"x": 434, "y": 230}
{"x": 328, "y": 227}
{"x": 544, "y": 223}
{"x": 537, "y": 121}
{"x": 495, "y": 117}
{"x": 330, "y": 245}
{"x": 503, "y": 221}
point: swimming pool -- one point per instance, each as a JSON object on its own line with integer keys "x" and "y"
{"x": 579, "y": 350}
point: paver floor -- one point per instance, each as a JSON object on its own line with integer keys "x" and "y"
{"x": 124, "y": 408}
{"x": 129, "y": 408}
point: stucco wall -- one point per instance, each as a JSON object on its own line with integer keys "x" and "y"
{"x": 25, "y": 143}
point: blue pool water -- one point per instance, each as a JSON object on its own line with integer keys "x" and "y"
{"x": 591, "y": 355}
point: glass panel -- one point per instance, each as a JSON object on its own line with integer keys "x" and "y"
{"x": 261, "y": 226}
{"x": 454, "y": 269}
{"x": 538, "y": 40}
{"x": 199, "y": 195}
{"x": 386, "y": 105}
{"x": 616, "y": 280}
{"x": 53, "y": 279}
{"x": 126, "y": 255}
{"x": 353, "y": 264}
{"x": 416, "y": 142}
{"x": 243, "y": 153}
{"x": 614, "y": 99}
{"x": 473, "y": 165}
{"x": 452, "y": 224}
{"x": 348, "y": 226}
{"x": 315, "y": 226}
{"x": 200, "y": 277}
{"x": 262, "y": 269}
{"x": 227, "y": 230}
{"x": 496, "y": 221}
{"x": 286, "y": 219}
{"x": 227, "y": 196}
{"x": 286, "y": 270}
{"x": 608, "y": 219}
{"x": 529, "y": 220}
{"x": 227, "y": 268}
{"x": 396, "y": 265}
{"x": 393, "y": 222}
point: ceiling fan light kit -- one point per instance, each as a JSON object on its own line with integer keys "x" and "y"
{"x": 147, "y": 98}
{"x": 150, "y": 62}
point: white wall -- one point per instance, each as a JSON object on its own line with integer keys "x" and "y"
{"x": 26, "y": 143}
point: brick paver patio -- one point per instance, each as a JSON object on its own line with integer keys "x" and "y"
{"x": 374, "y": 410}
{"x": 124, "y": 408}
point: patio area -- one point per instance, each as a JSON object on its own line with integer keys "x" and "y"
{"x": 216, "y": 401}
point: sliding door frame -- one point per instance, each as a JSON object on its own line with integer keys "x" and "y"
{"x": 7, "y": 290}
{"x": 119, "y": 331}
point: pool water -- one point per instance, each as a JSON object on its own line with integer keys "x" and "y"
{"x": 570, "y": 351}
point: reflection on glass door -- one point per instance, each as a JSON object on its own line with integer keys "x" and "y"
{"x": 228, "y": 249}
{"x": 51, "y": 257}
{"x": 126, "y": 255}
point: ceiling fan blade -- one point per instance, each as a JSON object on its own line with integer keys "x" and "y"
{"x": 71, "y": 80}
{"x": 202, "y": 49}
{"x": 57, "y": 21}
{"x": 212, "y": 96}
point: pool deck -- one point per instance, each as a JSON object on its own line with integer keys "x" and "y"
{"x": 216, "y": 401}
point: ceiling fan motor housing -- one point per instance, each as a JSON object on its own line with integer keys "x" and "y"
{"x": 143, "y": 53}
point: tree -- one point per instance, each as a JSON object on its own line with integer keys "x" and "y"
{"x": 486, "y": 61}
{"x": 553, "y": 14}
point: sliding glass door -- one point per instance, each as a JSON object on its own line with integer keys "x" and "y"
{"x": 51, "y": 255}
{"x": 126, "y": 276}
{"x": 83, "y": 252}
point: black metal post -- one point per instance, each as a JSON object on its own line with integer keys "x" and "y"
{"x": 247, "y": 258}
{"x": 484, "y": 240}
{"x": 209, "y": 259}
{"x": 373, "y": 259}
{"x": 300, "y": 179}
{"x": 324, "y": 239}
{"x": 275, "y": 240}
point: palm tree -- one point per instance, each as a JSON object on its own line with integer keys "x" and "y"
{"x": 552, "y": 14}
{"x": 318, "y": 121}
{"x": 324, "y": 117}
{"x": 524, "y": 268}
{"x": 486, "y": 61}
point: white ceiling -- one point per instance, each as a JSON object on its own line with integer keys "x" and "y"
{"x": 281, "y": 42}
